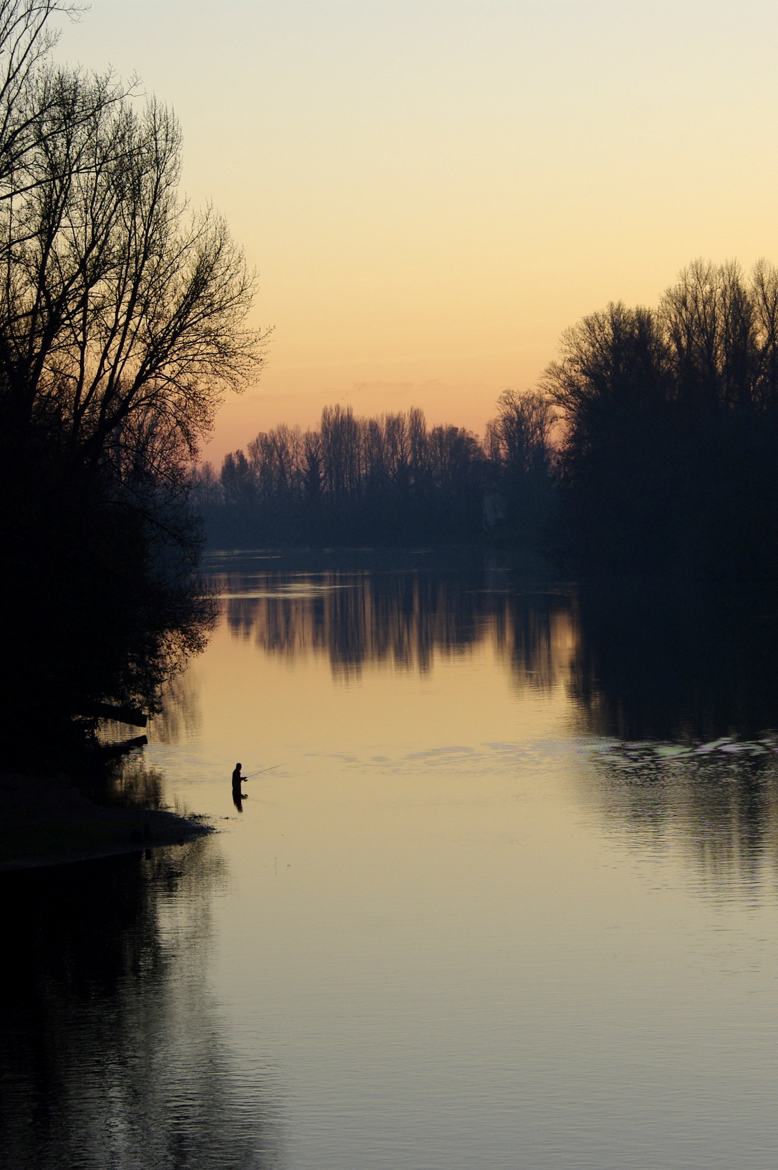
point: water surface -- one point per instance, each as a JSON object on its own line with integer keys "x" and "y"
{"x": 502, "y": 893}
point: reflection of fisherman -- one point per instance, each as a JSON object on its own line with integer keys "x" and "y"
{"x": 237, "y": 796}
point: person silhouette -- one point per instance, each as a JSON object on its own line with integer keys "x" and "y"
{"x": 237, "y": 796}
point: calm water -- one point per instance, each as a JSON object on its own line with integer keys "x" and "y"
{"x": 504, "y": 894}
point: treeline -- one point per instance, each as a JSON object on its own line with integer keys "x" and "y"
{"x": 650, "y": 446}
{"x": 670, "y": 442}
{"x": 387, "y": 480}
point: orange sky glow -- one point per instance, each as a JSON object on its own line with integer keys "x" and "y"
{"x": 432, "y": 192}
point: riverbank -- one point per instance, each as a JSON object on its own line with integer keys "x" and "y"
{"x": 50, "y": 822}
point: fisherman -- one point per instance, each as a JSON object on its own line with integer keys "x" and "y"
{"x": 237, "y": 796}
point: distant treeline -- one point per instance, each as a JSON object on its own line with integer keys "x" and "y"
{"x": 386, "y": 480}
{"x": 651, "y": 445}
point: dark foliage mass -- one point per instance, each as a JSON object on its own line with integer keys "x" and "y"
{"x": 671, "y": 429}
{"x": 388, "y": 480}
{"x": 121, "y": 318}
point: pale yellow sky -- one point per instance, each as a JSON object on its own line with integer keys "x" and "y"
{"x": 433, "y": 191}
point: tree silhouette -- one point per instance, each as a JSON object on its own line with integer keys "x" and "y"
{"x": 519, "y": 445}
{"x": 122, "y": 321}
{"x": 671, "y": 435}
{"x": 384, "y": 480}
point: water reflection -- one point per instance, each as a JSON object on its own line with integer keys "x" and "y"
{"x": 720, "y": 812}
{"x": 389, "y": 835}
{"x": 686, "y": 691}
{"x": 649, "y": 671}
{"x": 181, "y": 715}
{"x": 656, "y": 666}
{"x": 535, "y": 633}
{"x": 110, "y": 1047}
{"x": 400, "y": 618}
{"x": 639, "y": 664}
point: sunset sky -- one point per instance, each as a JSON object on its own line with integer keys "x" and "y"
{"x": 433, "y": 191}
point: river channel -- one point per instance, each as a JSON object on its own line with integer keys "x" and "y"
{"x": 502, "y": 892}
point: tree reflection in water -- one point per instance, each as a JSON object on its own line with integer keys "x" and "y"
{"x": 653, "y": 665}
{"x": 699, "y": 672}
{"x": 719, "y": 812}
{"x": 401, "y": 618}
{"x": 640, "y": 663}
{"x": 642, "y": 666}
{"x": 110, "y": 1047}
{"x": 110, "y": 1050}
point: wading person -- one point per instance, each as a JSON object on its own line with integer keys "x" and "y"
{"x": 237, "y": 796}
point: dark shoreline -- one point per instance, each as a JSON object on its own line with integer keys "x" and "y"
{"x": 47, "y": 822}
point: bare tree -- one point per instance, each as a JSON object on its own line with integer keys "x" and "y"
{"x": 123, "y": 318}
{"x": 122, "y": 313}
{"x": 26, "y": 39}
{"x": 520, "y": 437}
{"x": 765, "y": 297}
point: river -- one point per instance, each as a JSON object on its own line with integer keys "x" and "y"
{"x": 502, "y": 892}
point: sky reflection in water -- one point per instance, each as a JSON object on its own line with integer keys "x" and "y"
{"x": 478, "y": 908}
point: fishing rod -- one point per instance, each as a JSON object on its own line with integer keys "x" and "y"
{"x": 260, "y": 772}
